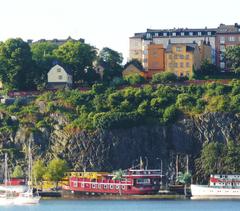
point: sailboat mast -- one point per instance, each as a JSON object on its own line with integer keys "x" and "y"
{"x": 6, "y": 169}
{"x": 29, "y": 165}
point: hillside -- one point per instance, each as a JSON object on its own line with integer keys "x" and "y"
{"x": 106, "y": 128}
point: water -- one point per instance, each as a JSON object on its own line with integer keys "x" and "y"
{"x": 131, "y": 205}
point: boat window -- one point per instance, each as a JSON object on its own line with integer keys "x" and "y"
{"x": 143, "y": 181}
{"x": 111, "y": 186}
{"x": 75, "y": 184}
{"x": 105, "y": 186}
{"x": 117, "y": 187}
{"x": 99, "y": 186}
{"x": 123, "y": 187}
{"x": 82, "y": 185}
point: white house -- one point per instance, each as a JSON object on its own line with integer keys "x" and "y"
{"x": 59, "y": 77}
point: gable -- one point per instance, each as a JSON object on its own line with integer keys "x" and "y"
{"x": 57, "y": 69}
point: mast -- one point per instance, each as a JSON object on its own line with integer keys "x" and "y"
{"x": 177, "y": 166}
{"x": 29, "y": 165}
{"x": 6, "y": 170}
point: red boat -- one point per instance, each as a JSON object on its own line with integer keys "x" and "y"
{"x": 130, "y": 182}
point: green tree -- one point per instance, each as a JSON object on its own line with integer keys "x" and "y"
{"x": 42, "y": 54}
{"x": 78, "y": 57}
{"x": 38, "y": 170}
{"x": 18, "y": 172}
{"x": 232, "y": 56}
{"x": 16, "y": 65}
{"x": 111, "y": 60}
{"x": 55, "y": 170}
{"x": 134, "y": 79}
{"x": 164, "y": 77}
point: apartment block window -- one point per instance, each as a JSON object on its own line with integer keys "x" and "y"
{"x": 187, "y": 56}
{"x": 174, "y": 34}
{"x": 60, "y": 77}
{"x": 178, "y": 49}
{"x": 145, "y": 52}
{"x": 176, "y": 65}
{"x": 190, "y": 33}
{"x": 164, "y": 34}
{"x": 221, "y": 57}
{"x": 231, "y": 39}
{"x": 181, "y": 64}
{"x": 170, "y": 56}
{"x": 145, "y": 61}
{"x": 187, "y": 64}
{"x": 59, "y": 70}
{"x": 199, "y": 33}
{"x": 222, "y": 40}
{"x": 182, "y": 33}
{"x": 222, "y": 48}
{"x": 209, "y": 33}
{"x": 148, "y": 35}
{"x": 156, "y": 34}
{"x": 222, "y": 65}
{"x": 181, "y": 56}
{"x": 175, "y": 56}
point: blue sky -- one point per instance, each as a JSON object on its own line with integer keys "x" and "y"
{"x": 108, "y": 22}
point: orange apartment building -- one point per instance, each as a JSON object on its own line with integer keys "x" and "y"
{"x": 155, "y": 59}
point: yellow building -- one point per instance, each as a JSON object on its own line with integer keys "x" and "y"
{"x": 131, "y": 69}
{"x": 182, "y": 59}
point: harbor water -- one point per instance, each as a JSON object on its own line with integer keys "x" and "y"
{"x": 125, "y": 205}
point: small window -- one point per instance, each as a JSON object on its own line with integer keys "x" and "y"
{"x": 190, "y": 33}
{"x": 174, "y": 34}
{"x": 111, "y": 186}
{"x": 199, "y": 33}
{"x": 178, "y": 49}
{"x": 75, "y": 184}
{"x": 232, "y": 39}
{"x": 164, "y": 34}
{"x": 182, "y": 33}
{"x": 105, "y": 186}
{"x": 170, "y": 56}
{"x": 187, "y": 64}
{"x": 187, "y": 56}
{"x": 60, "y": 77}
{"x": 58, "y": 70}
{"x": 181, "y": 56}
{"x": 181, "y": 64}
{"x": 156, "y": 34}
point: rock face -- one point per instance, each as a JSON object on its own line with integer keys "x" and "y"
{"x": 121, "y": 148}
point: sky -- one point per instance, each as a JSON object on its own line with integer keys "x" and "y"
{"x": 109, "y": 23}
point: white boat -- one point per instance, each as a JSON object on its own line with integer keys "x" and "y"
{"x": 220, "y": 187}
{"x": 28, "y": 197}
{"x": 6, "y": 196}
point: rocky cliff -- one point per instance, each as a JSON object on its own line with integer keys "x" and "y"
{"x": 121, "y": 148}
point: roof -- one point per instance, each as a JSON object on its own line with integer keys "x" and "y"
{"x": 189, "y": 46}
{"x": 135, "y": 64}
{"x": 65, "y": 67}
{"x": 228, "y": 28}
{"x": 182, "y": 30}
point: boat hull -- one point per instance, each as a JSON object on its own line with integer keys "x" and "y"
{"x": 27, "y": 200}
{"x": 206, "y": 192}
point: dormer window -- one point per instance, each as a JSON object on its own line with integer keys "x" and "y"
{"x": 60, "y": 77}
{"x": 59, "y": 70}
{"x": 148, "y": 35}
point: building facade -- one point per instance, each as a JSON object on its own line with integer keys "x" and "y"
{"x": 227, "y": 36}
{"x": 182, "y": 59}
{"x": 59, "y": 77}
{"x": 219, "y": 39}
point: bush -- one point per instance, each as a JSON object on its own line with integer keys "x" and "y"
{"x": 164, "y": 77}
{"x": 134, "y": 79}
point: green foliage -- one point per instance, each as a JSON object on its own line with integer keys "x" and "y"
{"x": 18, "y": 172}
{"x": 184, "y": 178}
{"x": 38, "y": 170}
{"x": 55, "y": 170}
{"x": 164, "y": 77}
{"x": 232, "y": 56}
{"x": 112, "y": 62}
{"x": 77, "y": 56}
{"x": 134, "y": 79}
{"x": 219, "y": 158}
{"x": 16, "y": 65}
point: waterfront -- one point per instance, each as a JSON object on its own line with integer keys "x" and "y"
{"x": 131, "y": 205}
